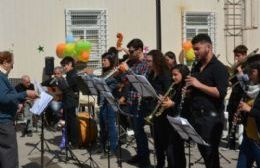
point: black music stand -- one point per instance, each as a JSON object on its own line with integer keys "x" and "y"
{"x": 104, "y": 90}
{"x": 145, "y": 89}
{"x": 87, "y": 87}
{"x": 186, "y": 131}
{"x": 38, "y": 108}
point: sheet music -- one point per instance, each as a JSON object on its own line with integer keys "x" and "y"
{"x": 101, "y": 84}
{"x": 185, "y": 130}
{"x": 142, "y": 85}
{"x": 41, "y": 103}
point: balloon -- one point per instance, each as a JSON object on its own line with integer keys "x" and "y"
{"x": 187, "y": 45}
{"x": 190, "y": 55}
{"x": 70, "y": 50}
{"x": 82, "y": 46}
{"x": 84, "y": 57}
{"x": 69, "y": 39}
{"x": 60, "y": 50}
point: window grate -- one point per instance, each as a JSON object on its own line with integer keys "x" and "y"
{"x": 197, "y": 22}
{"x": 92, "y": 26}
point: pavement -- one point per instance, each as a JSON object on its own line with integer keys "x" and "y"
{"x": 30, "y": 153}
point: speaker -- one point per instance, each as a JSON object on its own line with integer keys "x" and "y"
{"x": 49, "y": 65}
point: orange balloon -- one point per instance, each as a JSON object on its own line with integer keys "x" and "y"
{"x": 60, "y": 50}
{"x": 84, "y": 56}
{"x": 187, "y": 45}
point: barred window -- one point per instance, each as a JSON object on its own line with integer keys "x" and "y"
{"x": 197, "y": 22}
{"x": 92, "y": 26}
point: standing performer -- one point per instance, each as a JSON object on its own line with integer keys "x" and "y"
{"x": 27, "y": 104}
{"x": 176, "y": 151}
{"x": 209, "y": 82}
{"x": 107, "y": 116}
{"x": 240, "y": 53}
{"x": 250, "y": 147}
{"x": 160, "y": 78}
{"x": 140, "y": 67}
{"x": 70, "y": 99}
{"x": 9, "y": 100}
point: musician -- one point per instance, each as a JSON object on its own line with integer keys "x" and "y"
{"x": 209, "y": 82}
{"x": 107, "y": 116}
{"x": 27, "y": 104}
{"x": 55, "y": 108}
{"x": 138, "y": 66}
{"x": 70, "y": 99}
{"x": 175, "y": 144}
{"x": 160, "y": 78}
{"x": 250, "y": 147}
{"x": 170, "y": 59}
{"x": 240, "y": 53}
{"x": 9, "y": 100}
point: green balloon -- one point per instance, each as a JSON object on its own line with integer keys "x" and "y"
{"x": 82, "y": 46}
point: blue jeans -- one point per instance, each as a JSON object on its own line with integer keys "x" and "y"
{"x": 249, "y": 152}
{"x": 138, "y": 127}
{"x": 107, "y": 122}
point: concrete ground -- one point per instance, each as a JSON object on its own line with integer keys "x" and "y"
{"x": 30, "y": 157}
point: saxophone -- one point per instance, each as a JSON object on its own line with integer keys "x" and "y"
{"x": 158, "y": 110}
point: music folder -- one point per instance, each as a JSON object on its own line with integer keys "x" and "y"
{"x": 185, "y": 130}
{"x": 86, "y": 85}
{"x": 142, "y": 85}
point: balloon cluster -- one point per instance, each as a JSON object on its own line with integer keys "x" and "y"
{"x": 188, "y": 52}
{"x": 79, "y": 50}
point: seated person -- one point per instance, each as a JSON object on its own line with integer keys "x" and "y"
{"x": 26, "y": 104}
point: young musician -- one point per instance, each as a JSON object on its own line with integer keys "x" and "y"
{"x": 176, "y": 151}
{"x": 9, "y": 100}
{"x": 170, "y": 59}
{"x": 70, "y": 99}
{"x": 138, "y": 66}
{"x": 250, "y": 147}
{"x": 209, "y": 82}
{"x": 160, "y": 78}
{"x": 107, "y": 116}
{"x": 240, "y": 53}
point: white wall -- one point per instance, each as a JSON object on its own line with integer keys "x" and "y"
{"x": 26, "y": 24}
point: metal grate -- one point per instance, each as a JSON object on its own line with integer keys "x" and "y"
{"x": 197, "y": 22}
{"x": 92, "y": 26}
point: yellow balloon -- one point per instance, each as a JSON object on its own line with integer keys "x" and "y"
{"x": 190, "y": 55}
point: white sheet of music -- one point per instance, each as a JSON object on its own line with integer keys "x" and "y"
{"x": 42, "y": 102}
{"x": 185, "y": 130}
{"x": 142, "y": 85}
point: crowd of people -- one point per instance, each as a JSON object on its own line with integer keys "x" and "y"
{"x": 197, "y": 93}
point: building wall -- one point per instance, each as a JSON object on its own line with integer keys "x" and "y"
{"x": 27, "y": 24}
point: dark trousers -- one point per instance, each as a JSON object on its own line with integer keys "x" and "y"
{"x": 176, "y": 151}
{"x": 210, "y": 129}
{"x": 72, "y": 125}
{"x": 138, "y": 127}
{"x": 8, "y": 146}
{"x": 160, "y": 131}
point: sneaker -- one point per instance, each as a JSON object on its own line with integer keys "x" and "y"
{"x": 133, "y": 160}
{"x": 29, "y": 133}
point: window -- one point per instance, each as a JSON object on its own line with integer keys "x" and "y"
{"x": 197, "y": 22}
{"x": 90, "y": 25}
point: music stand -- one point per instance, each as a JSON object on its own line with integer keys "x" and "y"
{"x": 87, "y": 87}
{"x": 186, "y": 131}
{"x": 38, "y": 108}
{"x": 144, "y": 88}
{"x": 104, "y": 90}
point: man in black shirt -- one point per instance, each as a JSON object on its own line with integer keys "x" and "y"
{"x": 21, "y": 87}
{"x": 209, "y": 82}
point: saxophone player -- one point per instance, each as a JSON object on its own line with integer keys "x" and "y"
{"x": 250, "y": 147}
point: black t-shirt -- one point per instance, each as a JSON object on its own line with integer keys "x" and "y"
{"x": 21, "y": 88}
{"x": 214, "y": 75}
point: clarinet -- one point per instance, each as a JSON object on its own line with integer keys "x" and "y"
{"x": 183, "y": 95}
